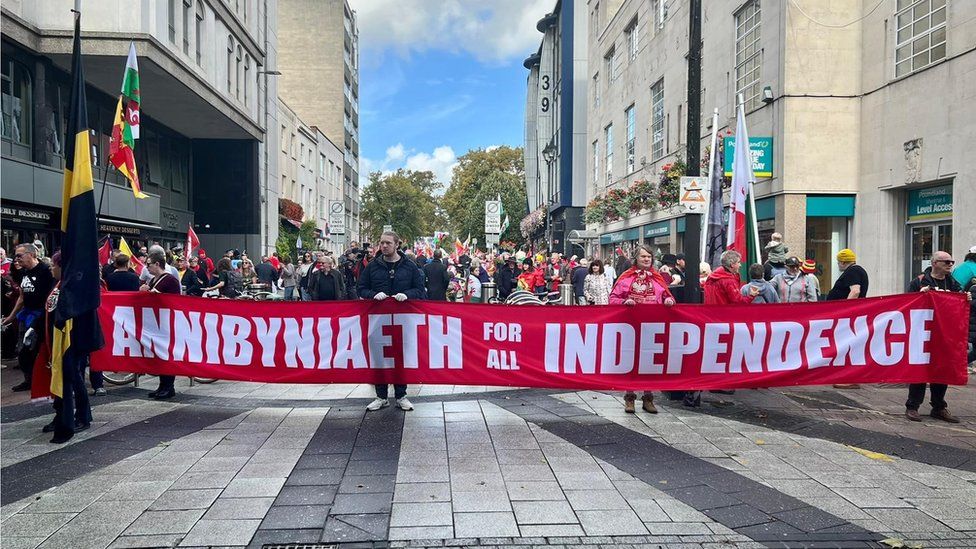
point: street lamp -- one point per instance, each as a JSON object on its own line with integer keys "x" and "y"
{"x": 549, "y": 154}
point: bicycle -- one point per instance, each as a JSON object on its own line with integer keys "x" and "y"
{"x": 125, "y": 378}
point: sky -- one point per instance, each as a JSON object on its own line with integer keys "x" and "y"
{"x": 440, "y": 77}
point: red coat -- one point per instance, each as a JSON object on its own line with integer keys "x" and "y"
{"x": 724, "y": 288}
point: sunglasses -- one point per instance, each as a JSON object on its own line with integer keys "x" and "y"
{"x": 946, "y": 261}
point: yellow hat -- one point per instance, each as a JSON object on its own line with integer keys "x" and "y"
{"x": 846, "y": 256}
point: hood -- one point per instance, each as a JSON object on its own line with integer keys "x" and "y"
{"x": 773, "y": 244}
{"x": 722, "y": 274}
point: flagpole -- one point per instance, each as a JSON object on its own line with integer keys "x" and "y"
{"x": 712, "y": 166}
{"x": 752, "y": 194}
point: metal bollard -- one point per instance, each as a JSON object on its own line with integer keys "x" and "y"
{"x": 488, "y": 292}
{"x": 566, "y": 294}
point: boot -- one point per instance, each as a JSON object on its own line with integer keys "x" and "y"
{"x": 944, "y": 415}
{"x": 647, "y": 403}
{"x": 629, "y": 403}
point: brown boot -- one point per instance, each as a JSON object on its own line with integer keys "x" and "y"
{"x": 912, "y": 415}
{"x": 944, "y": 415}
{"x": 629, "y": 403}
{"x": 647, "y": 403}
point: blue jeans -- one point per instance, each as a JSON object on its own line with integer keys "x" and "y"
{"x": 383, "y": 391}
{"x": 289, "y": 293}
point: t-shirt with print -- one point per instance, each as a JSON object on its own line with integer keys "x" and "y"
{"x": 36, "y": 286}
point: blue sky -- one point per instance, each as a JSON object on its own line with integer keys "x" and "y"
{"x": 438, "y": 78}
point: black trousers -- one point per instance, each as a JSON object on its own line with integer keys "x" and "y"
{"x": 916, "y": 394}
{"x": 166, "y": 382}
{"x": 73, "y": 406}
{"x": 383, "y": 391}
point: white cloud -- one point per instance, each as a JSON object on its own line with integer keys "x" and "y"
{"x": 441, "y": 161}
{"x": 495, "y": 31}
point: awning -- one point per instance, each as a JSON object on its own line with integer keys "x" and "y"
{"x": 296, "y": 224}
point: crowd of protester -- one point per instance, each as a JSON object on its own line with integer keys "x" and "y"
{"x": 392, "y": 271}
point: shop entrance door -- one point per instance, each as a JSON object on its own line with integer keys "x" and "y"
{"x": 924, "y": 240}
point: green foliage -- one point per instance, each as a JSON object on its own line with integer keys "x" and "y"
{"x": 404, "y": 199}
{"x": 288, "y": 237}
{"x": 484, "y": 175}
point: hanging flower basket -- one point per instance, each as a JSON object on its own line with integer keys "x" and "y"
{"x": 669, "y": 187}
{"x": 596, "y": 210}
{"x": 642, "y": 196}
{"x": 532, "y": 222}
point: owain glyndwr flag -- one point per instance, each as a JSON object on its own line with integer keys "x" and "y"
{"x": 76, "y": 319}
{"x": 897, "y": 339}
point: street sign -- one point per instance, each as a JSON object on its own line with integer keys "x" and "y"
{"x": 693, "y": 196}
{"x": 387, "y": 228}
{"x": 493, "y": 216}
{"x": 337, "y": 217}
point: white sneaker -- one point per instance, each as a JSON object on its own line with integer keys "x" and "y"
{"x": 404, "y": 404}
{"x": 377, "y": 404}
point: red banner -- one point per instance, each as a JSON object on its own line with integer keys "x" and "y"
{"x": 896, "y": 339}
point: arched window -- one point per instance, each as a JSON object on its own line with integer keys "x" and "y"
{"x": 247, "y": 77}
{"x": 239, "y": 74}
{"x": 17, "y": 102}
{"x": 230, "y": 62}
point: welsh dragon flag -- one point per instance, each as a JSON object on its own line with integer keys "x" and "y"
{"x": 742, "y": 234}
{"x": 125, "y": 130}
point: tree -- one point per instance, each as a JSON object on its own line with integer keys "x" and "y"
{"x": 403, "y": 199}
{"x": 483, "y": 175}
{"x": 288, "y": 238}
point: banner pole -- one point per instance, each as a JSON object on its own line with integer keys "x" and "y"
{"x": 712, "y": 166}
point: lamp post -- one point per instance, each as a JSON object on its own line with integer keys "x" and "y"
{"x": 549, "y": 154}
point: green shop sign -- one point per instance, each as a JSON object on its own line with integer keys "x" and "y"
{"x": 930, "y": 203}
{"x": 761, "y": 149}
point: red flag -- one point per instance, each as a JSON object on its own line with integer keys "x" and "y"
{"x": 192, "y": 242}
{"x": 105, "y": 252}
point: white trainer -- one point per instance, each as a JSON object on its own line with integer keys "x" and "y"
{"x": 404, "y": 404}
{"x": 377, "y": 404}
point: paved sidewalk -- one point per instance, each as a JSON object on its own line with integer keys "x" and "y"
{"x": 244, "y": 465}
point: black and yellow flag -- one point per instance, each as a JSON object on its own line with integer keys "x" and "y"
{"x": 76, "y": 313}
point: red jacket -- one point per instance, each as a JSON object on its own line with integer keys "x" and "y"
{"x": 724, "y": 288}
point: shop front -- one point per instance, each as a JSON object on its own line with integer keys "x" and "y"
{"x": 625, "y": 240}
{"x": 26, "y": 224}
{"x": 827, "y": 228}
{"x": 929, "y": 225}
{"x": 657, "y": 236}
{"x": 765, "y": 223}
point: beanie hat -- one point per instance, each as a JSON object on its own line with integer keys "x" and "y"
{"x": 846, "y": 256}
{"x": 809, "y": 266}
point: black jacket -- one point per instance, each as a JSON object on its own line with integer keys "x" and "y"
{"x": 437, "y": 280}
{"x": 318, "y": 279}
{"x": 266, "y": 273}
{"x": 191, "y": 283}
{"x": 505, "y": 280}
{"x": 925, "y": 279}
{"x": 577, "y": 277}
{"x": 404, "y": 277}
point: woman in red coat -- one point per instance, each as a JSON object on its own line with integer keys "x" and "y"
{"x": 723, "y": 286}
{"x": 641, "y": 284}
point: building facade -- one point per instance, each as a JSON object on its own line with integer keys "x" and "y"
{"x": 555, "y": 127}
{"x": 860, "y": 115}
{"x": 320, "y": 81}
{"x": 311, "y": 177}
{"x": 203, "y": 117}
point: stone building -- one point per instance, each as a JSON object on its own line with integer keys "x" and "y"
{"x": 865, "y": 112}
{"x": 318, "y": 56}
{"x": 204, "y": 117}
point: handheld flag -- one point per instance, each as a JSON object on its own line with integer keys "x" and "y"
{"x": 105, "y": 252}
{"x": 742, "y": 230}
{"x": 137, "y": 264}
{"x": 75, "y": 317}
{"x": 714, "y": 237}
{"x": 125, "y": 129}
{"x": 192, "y": 241}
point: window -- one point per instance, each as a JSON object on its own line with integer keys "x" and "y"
{"x": 247, "y": 77}
{"x": 632, "y": 39}
{"x": 629, "y": 116}
{"x": 230, "y": 62}
{"x": 17, "y": 103}
{"x": 608, "y": 137}
{"x": 237, "y": 72}
{"x": 658, "y": 11}
{"x": 748, "y": 54}
{"x": 596, "y": 90}
{"x": 657, "y": 120}
{"x": 199, "y": 34}
{"x": 609, "y": 65}
{"x": 322, "y": 166}
{"x": 187, "y": 8}
{"x": 284, "y": 139}
{"x": 596, "y": 163}
{"x": 921, "y": 38}
{"x": 171, "y": 19}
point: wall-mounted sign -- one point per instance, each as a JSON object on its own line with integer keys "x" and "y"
{"x": 26, "y": 215}
{"x": 930, "y": 203}
{"x": 761, "y": 149}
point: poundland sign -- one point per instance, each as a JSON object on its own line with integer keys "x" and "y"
{"x": 930, "y": 203}
{"x": 761, "y": 150}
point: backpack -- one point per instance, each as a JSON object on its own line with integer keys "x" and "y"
{"x": 235, "y": 284}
